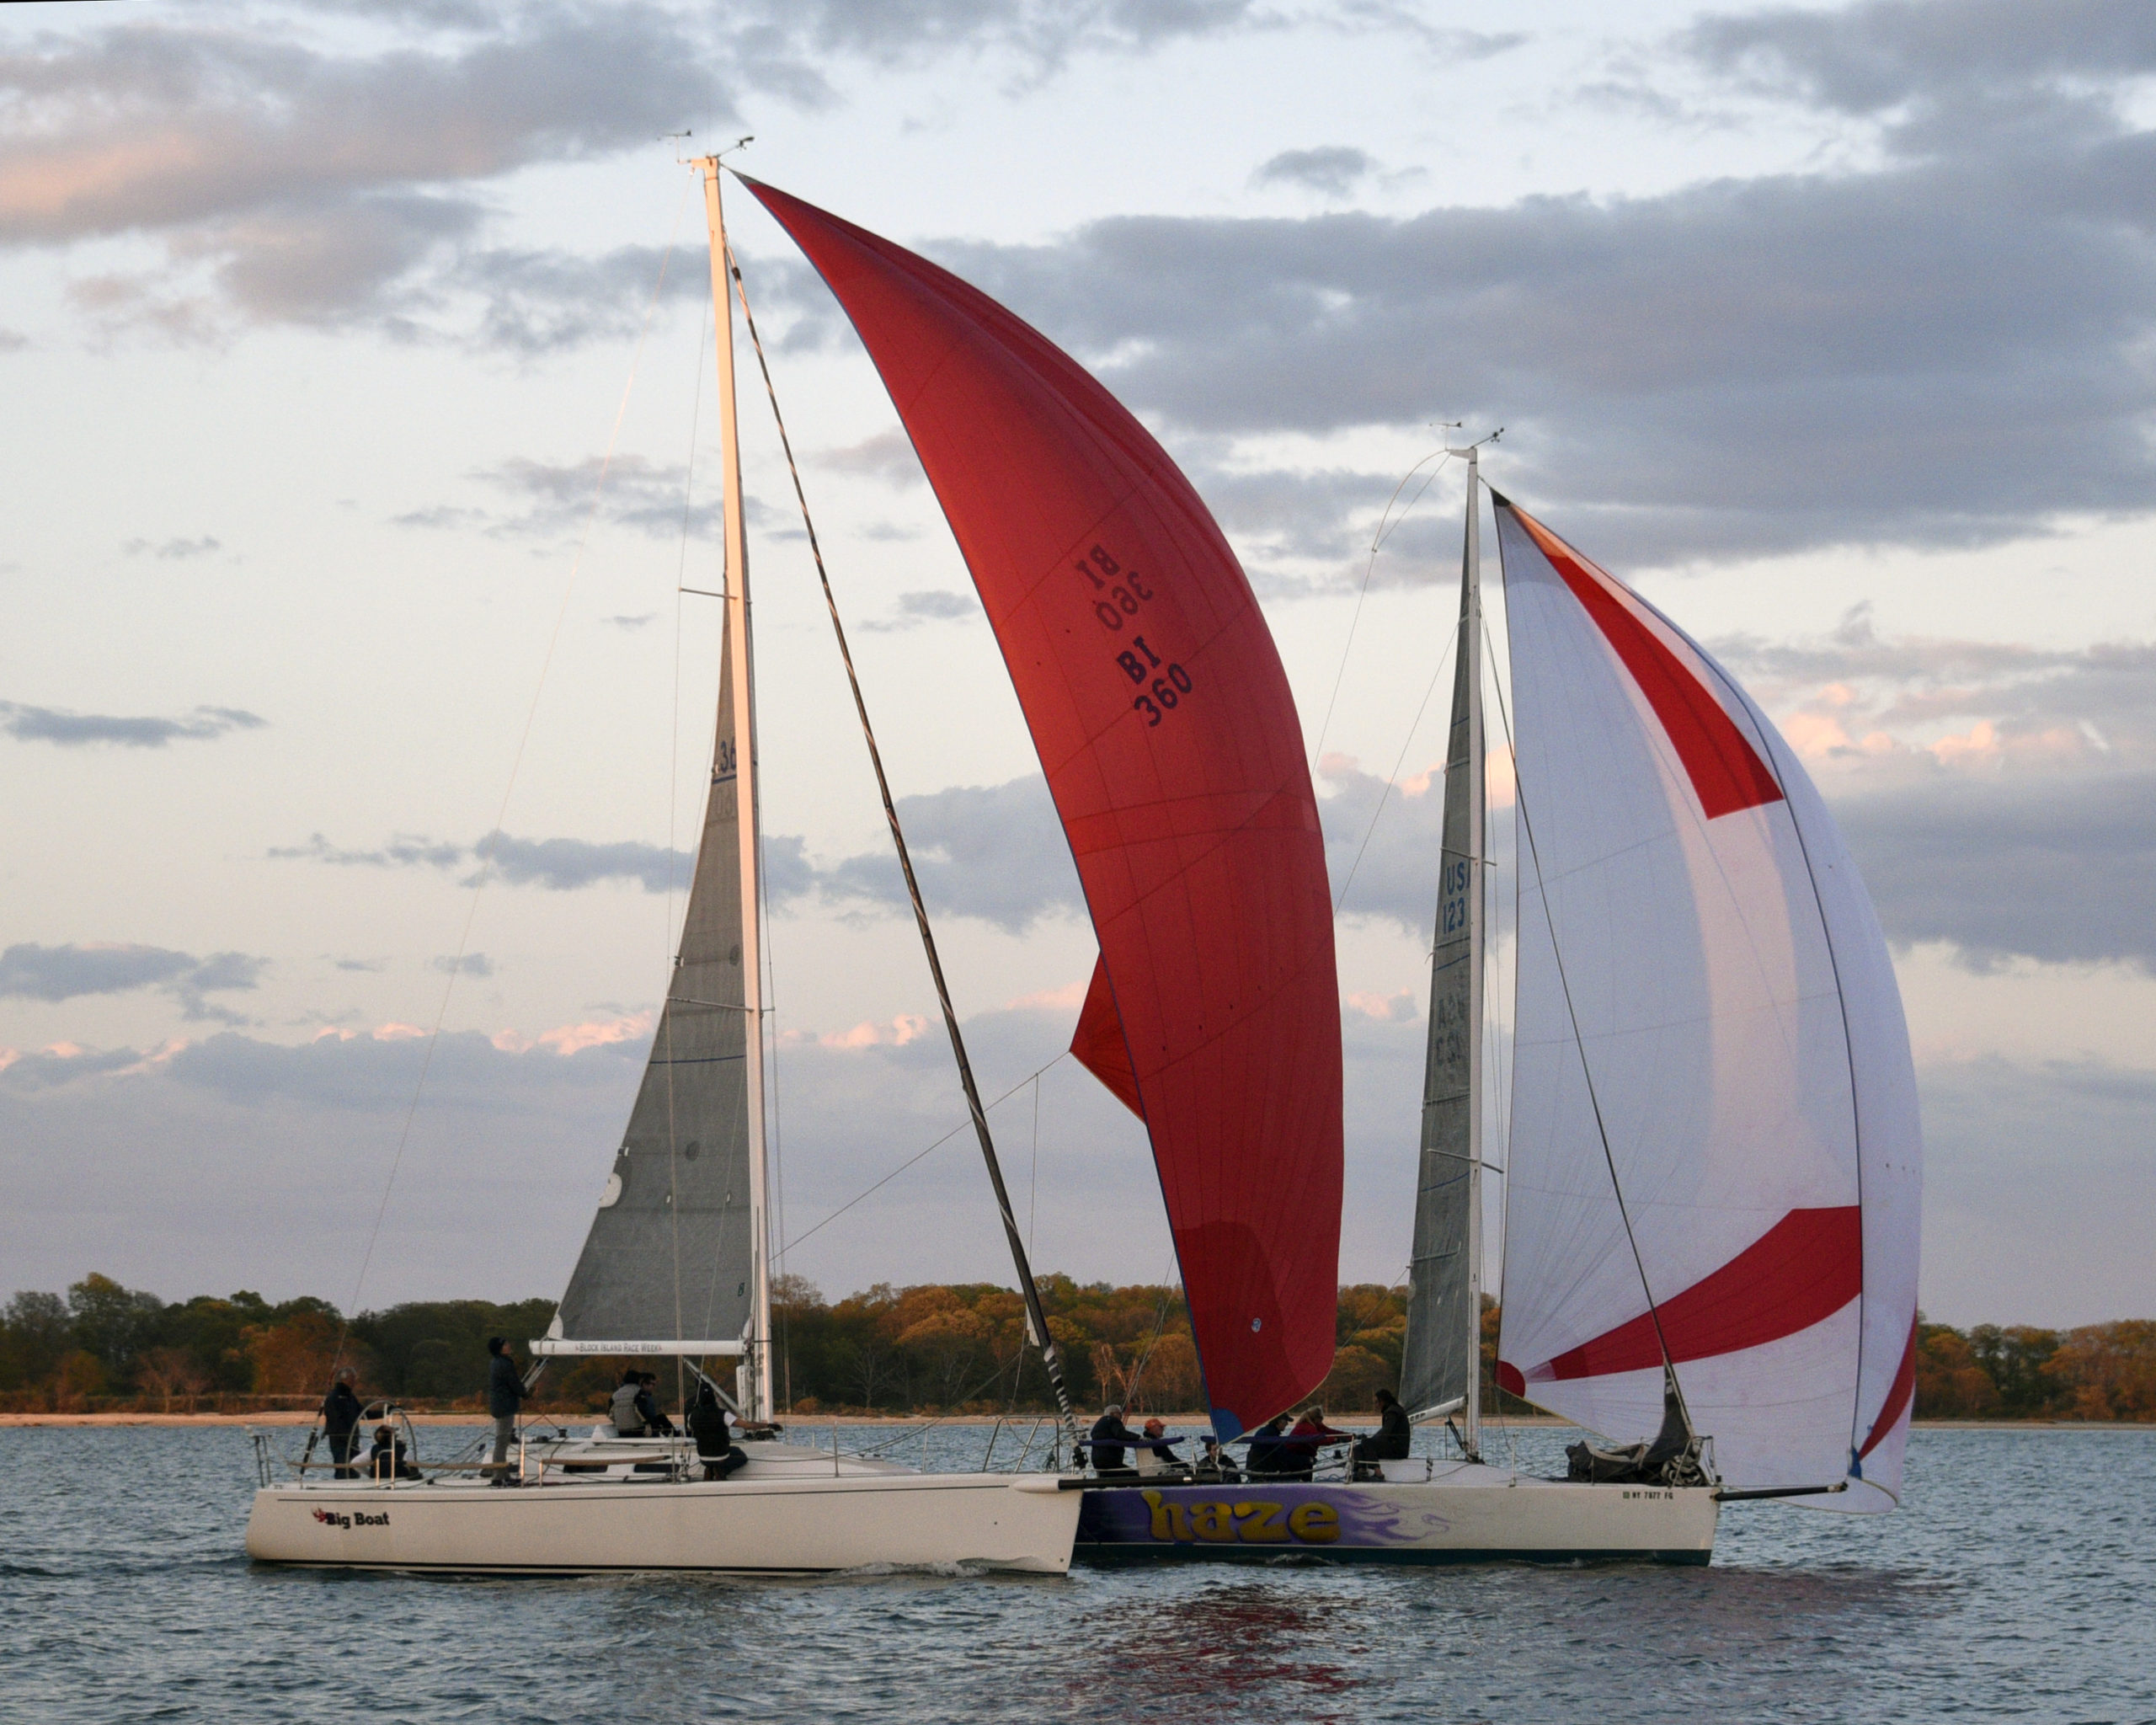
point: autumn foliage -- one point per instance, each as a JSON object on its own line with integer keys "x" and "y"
{"x": 934, "y": 1348}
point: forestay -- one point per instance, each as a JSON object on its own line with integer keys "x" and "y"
{"x": 1162, "y": 717}
{"x": 671, "y": 1252}
{"x": 1715, "y": 1148}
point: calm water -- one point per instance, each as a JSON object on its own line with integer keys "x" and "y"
{"x": 2021, "y": 1585}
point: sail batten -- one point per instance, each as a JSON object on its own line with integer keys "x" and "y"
{"x": 1715, "y": 1148}
{"x": 1161, "y": 713}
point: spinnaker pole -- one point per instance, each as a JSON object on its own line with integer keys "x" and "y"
{"x": 755, "y": 1379}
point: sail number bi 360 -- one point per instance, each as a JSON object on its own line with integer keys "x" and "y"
{"x": 1122, "y": 593}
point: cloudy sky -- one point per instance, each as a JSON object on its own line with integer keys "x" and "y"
{"x": 319, "y": 327}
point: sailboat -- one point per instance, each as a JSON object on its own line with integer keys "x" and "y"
{"x": 1712, "y": 1168}
{"x": 1160, "y": 710}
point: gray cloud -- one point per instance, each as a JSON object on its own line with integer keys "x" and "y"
{"x": 29, "y": 971}
{"x": 559, "y": 864}
{"x": 173, "y": 550}
{"x": 404, "y": 851}
{"x": 888, "y": 456}
{"x": 540, "y": 302}
{"x": 993, "y": 852}
{"x": 1041, "y": 33}
{"x": 555, "y": 498}
{"x": 1871, "y": 57}
{"x": 1334, "y": 170}
{"x": 52, "y": 724}
{"x": 915, "y": 609}
{"x": 1736, "y": 366}
{"x": 298, "y": 183}
{"x": 2054, "y": 869}
{"x": 562, "y": 865}
{"x": 305, "y": 182}
{"x": 470, "y": 964}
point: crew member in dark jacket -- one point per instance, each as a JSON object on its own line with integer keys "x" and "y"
{"x": 340, "y": 1423}
{"x": 708, "y": 1424}
{"x": 1110, "y": 1435}
{"x": 504, "y": 1396}
{"x": 1271, "y": 1456}
{"x": 386, "y": 1461}
{"x": 655, "y": 1422}
{"x": 1393, "y": 1438}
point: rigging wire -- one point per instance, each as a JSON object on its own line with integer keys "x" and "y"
{"x": 485, "y": 849}
{"x": 871, "y": 1191}
{"x": 1400, "y": 760}
{"x": 1383, "y": 532}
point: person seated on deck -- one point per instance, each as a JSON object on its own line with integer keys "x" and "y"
{"x": 1109, "y": 1436}
{"x": 1310, "y": 1435}
{"x": 710, "y": 1424}
{"x": 1271, "y": 1457}
{"x": 1394, "y": 1438}
{"x": 655, "y": 1423}
{"x": 1154, "y": 1454}
{"x": 1215, "y": 1464}
{"x": 628, "y": 1418}
{"x": 386, "y": 1461}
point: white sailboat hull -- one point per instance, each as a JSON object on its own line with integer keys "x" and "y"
{"x": 787, "y": 1524}
{"x": 1467, "y": 1514}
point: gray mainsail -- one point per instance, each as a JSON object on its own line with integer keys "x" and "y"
{"x": 1440, "y": 1364}
{"x": 671, "y": 1254}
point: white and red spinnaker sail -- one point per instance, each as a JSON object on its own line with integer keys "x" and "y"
{"x": 1714, "y": 1151}
{"x": 1163, "y": 720}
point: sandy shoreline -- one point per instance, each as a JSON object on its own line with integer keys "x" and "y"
{"x": 819, "y": 1422}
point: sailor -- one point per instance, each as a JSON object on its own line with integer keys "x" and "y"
{"x": 1214, "y": 1463}
{"x": 386, "y": 1461}
{"x": 340, "y": 1422}
{"x": 1393, "y": 1438}
{"x": 1310, "y": 1435}
{"x": 655, "y": 1423}
{"x": 1271, "y": 1456}
{"x": 1155, "y": 1453}
{"x": 1109, "y": 1435}
{"x": 504, "y": 1396}
{"x": 708, "y": 1424}
{"x": 628, "y": 1418}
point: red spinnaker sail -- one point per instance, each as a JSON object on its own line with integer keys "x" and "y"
{"x": 1162, "y": 717}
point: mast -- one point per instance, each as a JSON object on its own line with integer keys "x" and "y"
{"x": 755, "y": 1375}
{"x": 1470, "y": 663}
{"x": 1441, "y": 1362}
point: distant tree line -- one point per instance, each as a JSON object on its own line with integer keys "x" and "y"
{"x": 2100, "y": 1371}
{"x": 886, "y": 1350}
